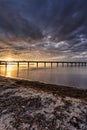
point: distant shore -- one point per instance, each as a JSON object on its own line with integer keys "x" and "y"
{"x": 38, "y": 106}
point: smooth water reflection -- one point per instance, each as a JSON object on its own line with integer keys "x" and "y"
{"x": 68, "y": 76}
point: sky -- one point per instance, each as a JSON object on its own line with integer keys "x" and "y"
{"x": 43, "y": 29}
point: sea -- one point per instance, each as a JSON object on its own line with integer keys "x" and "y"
{"x": 67, "y": 76}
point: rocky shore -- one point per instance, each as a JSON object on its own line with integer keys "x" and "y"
{"x": 28, "y": 105}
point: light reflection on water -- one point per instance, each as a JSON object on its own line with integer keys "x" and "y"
{"x": 68, "y": 76}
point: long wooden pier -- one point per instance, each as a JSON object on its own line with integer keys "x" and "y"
{"x": 58, "y": 63}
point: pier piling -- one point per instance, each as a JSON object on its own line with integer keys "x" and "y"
{"x": 51, "y": 64}
{"x": 37, "y": 64}
{"x": 28, "y": 65}
{"x": 44, "y": 64}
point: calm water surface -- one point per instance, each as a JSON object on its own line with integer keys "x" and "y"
{"x": 68, "y": 76}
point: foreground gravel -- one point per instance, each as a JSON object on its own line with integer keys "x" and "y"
{"x": 24, "y": 108}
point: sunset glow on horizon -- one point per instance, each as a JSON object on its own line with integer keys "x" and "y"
{"x": 9, "y": 59}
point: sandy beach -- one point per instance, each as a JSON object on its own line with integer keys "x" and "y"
{"x": 26, "y": 105}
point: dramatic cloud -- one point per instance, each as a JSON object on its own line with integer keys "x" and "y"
{"x": 54, "y": 28}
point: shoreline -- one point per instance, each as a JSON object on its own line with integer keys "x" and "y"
{"x": 58, "y": 90}
{"x": 27, "y": 105}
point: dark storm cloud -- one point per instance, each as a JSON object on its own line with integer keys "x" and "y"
{"x": 12, "y": 25}
{"x": 65, "y": 21}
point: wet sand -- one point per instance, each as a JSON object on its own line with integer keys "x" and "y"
{"x": 26, "y": 105}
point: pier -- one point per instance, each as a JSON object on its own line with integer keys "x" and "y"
{"x": 58, "y": 63}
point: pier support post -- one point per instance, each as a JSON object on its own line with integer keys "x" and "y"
{"x": 67, "y": 64}
{"x": 57, "y": 64}
{"x": 6, "y": 65}
{"x": 28, "y": 65}
{"x": 75, "y": 64}
{"x": 37, "y": 64}
{"x": 17, "y": 69}
{"x": 82, "y": 64}
{"x": 71, "y": 64}
{"x": 18, "y": 65}
{"x": 44, "y": 64}
{"x": 62, "y": 64}
{"x": 79, "y": 64}
{"x": 51, "y": 64}
{"x": 5, "y": 68}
